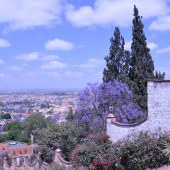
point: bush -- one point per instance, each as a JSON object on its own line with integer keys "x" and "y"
{"x": 14, "y": 132}
{"x": 144, "y": 152}
{"x": 64, "y": 136}
{"x": 96, "y": 152}
{"x": 54, "y": 166}
{"x": 166, "y": 150}
{"x": 95, "y": 101}
{"x": 4, "y": 137}
{"x": 6, "y": 116}
{"x": 36, "y": 121}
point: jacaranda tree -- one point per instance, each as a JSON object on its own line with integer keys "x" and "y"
{"x": 95, "y": 101}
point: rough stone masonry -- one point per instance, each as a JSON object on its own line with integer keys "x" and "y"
{"x": 158, "y": 113}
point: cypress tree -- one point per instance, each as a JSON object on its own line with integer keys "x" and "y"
{"x": 133, "y": 68}
{"x": 159, "y": 75}
{"x": 117, "y": 62}
{"x": 142, "y": 66}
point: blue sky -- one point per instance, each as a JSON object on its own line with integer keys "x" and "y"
{"x": 61, "y": 44}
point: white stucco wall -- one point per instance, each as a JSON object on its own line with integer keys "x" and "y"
{"x": 158, "y": 113}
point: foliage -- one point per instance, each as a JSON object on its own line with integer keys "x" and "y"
{"x": 95, "y": 101}
{"x": 69, "y": 137}
{"x": 15, "y": 132}
{"x": 144, "y": 152}
{"x": 96, "y": 152}
{"x": 118, "y": 60}
{"x": 64, "y": 136}
{"x": 23, "y": 138}
{"x": 4, "y": 137}
{"x": 5, "y": 116}
{"x": 142, "y": 65}
{"x": 133, "y": 68}
{"x": 13, "y": 126}
{"x": 159, "y": 75}
{"x": 166, "y": 149}
{"x": 71, "y": 115}
{"x": 36, "y": 121}
{"x": 21, "y": 131}
{"x": 54, "y": 166}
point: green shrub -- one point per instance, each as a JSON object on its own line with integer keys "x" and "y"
{"x": 166, "y": 150}
{"x": 4, "y": 137}
{"x": 64, "y": 136}
{"x": 96, "y": 152}
{"x": 144, "y": 152}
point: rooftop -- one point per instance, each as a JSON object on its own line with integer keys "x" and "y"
{"x": 14, "y": 144}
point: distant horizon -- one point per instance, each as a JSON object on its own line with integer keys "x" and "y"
{"x": 39, "y": 90}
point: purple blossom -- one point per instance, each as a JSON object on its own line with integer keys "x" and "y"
{"x": 95, "y": 100}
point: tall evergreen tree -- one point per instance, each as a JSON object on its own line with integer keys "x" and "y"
{"x": 117, "y": 62}
{"x": 142, "y": 66}
{"x": 159, "y": 75}
{"x": 133, "y": 68}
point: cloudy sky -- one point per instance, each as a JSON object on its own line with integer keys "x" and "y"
{"x": 61, "y": 44}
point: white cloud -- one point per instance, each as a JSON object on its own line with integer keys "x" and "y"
{"x": 117, "y": 12}
{"x": 50, "y": 57}
{"x": 15, "y": 68}
{"x": 58, "y": 44}
{"x": 28, "y": 57}
{"x": 2, "y": 61}
{"x": 73, "y": 74}
{"x": 163, "y": 50}
{"x": 35, "y": 56}
{"x": 150, "y": 45}
{"x": 53, "y": 74}
{"x": 92, "y": 63}
{"x": 4, "y": 43}
{"x": 52, "y": 65}
{"x": 128, "y": 45}
{"x": 31, "y": 74}
{"x": 161, "y": 24}
{"x": 22, "y": 14}
{"x": 2, "y": 75}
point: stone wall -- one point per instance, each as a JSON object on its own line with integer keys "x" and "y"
{"x": 21, "y": 162}
{"x": 158, "y": 113}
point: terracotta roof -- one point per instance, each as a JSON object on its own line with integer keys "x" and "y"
{"x": 16, "y": 148}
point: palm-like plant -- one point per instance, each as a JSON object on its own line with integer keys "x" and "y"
{"x": 166, "y": 151}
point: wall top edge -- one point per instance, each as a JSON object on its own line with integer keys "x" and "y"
{"x": 158, "y": 81}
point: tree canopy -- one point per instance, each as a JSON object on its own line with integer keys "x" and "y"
{"x": 118, "y": 60}
{"x": 95, "y": 101}
{"x": 64, "y": 136}
{"x": 36, "y": 121}
{"x": 133, "y": 68}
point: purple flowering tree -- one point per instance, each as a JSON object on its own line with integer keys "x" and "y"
{"x": 96, "y": 99}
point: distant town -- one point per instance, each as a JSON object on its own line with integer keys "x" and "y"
{"x": 54, "y": 106}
